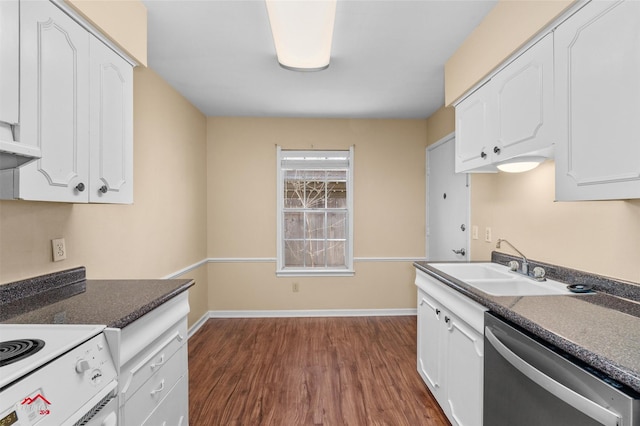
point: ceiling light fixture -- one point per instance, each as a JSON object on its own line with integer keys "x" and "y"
{"x": 520, "y": 164}
{"x": 302, "y": 32}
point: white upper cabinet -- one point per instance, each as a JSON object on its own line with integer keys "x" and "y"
{"x": 597, "y": 77}
{"x": 54, "y": 104}
{"x": 474, "y": 135}
{"x": 111, "y": 106}
{"x": 12, "y": 152}
{"x": 9, "y": 60}
{"x": 524, "y": 102}
{"x": 76, "y": 105}
{"x": 510, "y": 115}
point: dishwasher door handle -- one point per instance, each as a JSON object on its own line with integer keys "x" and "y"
{"x": 560, "y": 391}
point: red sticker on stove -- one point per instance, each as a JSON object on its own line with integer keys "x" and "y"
{"x": 29, "y": 400}
{"x": 39, "y": 402}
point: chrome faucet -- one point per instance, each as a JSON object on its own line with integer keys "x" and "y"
{"x": 525, "y": 262}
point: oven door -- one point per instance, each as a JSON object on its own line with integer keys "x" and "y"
{"x": 101, "y": 410}
{"x": 528, "y": 382}
{"x": 107, "y": 416}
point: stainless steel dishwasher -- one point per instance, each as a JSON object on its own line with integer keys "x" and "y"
{"x": 529, "y": 382}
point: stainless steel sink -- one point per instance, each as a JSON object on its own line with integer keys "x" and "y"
{"x": 498, "y": 280}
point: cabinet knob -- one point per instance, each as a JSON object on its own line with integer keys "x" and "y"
{"x": 437, "y": 311}
{"x": 447, "y": 319}
{"x": 103, "y": 189}
{"x": 496, "y": 150}
{"x": 483, "y": 154}
{"x": 80, "y": 187}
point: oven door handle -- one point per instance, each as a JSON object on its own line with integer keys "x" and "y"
{"x": 560, "y": 391}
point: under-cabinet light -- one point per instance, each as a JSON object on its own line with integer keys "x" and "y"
{"x": 520, "y": 164}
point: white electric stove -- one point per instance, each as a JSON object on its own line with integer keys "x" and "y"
{"x": 56, "y": 375}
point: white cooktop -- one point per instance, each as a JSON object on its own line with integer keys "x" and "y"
{"x": 58, "y": 338}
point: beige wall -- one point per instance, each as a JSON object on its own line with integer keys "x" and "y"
{"x": 124, "y": 22}
{"x": 389, "y": 211}
{"x": 507, "y": 27}
{"x": 162, "y": 232}
{"x": 602, "y": 237}
{"x": 440, "y": 124}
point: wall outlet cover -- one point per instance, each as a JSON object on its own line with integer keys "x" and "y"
{"x": 59, "y": 249}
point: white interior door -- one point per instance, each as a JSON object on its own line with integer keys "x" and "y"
{"x": 447, "y": 204}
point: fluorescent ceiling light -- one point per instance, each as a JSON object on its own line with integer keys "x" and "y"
{"x": 520, "y": 164}
{"x": 302, "y": 32}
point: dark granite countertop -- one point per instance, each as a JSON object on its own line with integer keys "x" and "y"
{"x": 602, "y": 330}
{"x": 114, "y": 303}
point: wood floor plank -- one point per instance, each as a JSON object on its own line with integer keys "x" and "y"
{"x": 308, "y": 371}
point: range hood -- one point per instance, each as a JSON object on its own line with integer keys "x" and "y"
{"x": 15, "y": 154}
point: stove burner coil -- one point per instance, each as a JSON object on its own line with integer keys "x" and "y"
{"x": 14, "y": 350}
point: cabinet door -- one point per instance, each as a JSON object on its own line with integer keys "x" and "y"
{"x": 597, "y": 55}
{"x": 9, "y": 60}
{"x": 464, "y": 372}
{"x": 429, "y": 341}
{"x": 524, "y": 102}
{"x": 474, "y": 131}
{"x": 111, "y": 149}
{"x": 54, "y": 103}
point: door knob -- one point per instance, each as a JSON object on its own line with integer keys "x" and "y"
{"x": 462, "y": 251}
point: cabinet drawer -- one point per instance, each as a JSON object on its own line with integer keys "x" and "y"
{"x": 174, "y": 408}
{"x": 154, "y": 390}
{"x": 150, "y": 361}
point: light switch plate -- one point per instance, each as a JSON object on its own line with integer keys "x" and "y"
{"x": 487, "y": 234}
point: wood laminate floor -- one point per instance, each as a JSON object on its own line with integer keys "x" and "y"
{"x": 308, "y": 371}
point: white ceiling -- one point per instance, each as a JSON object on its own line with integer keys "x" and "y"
{"x": 387, "y": 58}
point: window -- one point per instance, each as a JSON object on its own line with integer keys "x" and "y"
{"x": 315, "y": 212}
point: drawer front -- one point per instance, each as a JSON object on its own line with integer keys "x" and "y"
{"x": 149, "y": 329}
{"x": 154, "y": 390}
{"x": 135, "y": 373}
{"x": 174, "y": 408}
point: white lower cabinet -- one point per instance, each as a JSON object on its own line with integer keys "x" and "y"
{"x": 152, "y": 395}
{"x": 154, "y": 377}
{"x": 450, "y": 349}
{"x": 173, "y": 409}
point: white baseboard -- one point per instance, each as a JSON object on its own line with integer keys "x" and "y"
{"x": 313, "y": 313}
{"x": 195, "y": 327}
{"x": 301, "y": 314}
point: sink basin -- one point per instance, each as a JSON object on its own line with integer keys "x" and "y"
{"x": 475, "y": 271}
{"x": 498, "y": 280}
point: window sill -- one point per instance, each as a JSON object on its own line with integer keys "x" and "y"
{"x": 315, "y": 273}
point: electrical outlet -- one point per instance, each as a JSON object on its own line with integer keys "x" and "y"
{"x": 474, "y": 232}
{"x": 295, "y": 287}
{"x": 59, "y": 249}
{"x": 487, "y": 234}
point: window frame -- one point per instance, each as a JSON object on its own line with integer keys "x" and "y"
{"x": 308, "y": 164}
